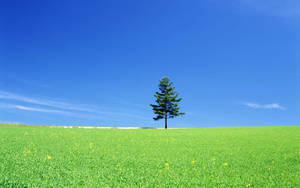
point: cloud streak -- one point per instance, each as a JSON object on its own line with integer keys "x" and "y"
{"x": 43, "y": 110}
{"x": 20, "y": 107}
{"x": 50, "y": 103}
{"x": 61, "y": 107}
{"x": 265, "y": 106}
{"x": 33, "y": 109}
{"x": 283, "y": 8}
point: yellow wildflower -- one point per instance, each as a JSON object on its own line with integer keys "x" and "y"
{"x": 27, "y": 151}
{"x": 225, "y": 164}
{"x": 91, "y": 145}
{"x": 167, "y": 166}
{"x": 193, "y": 162}
{"x": 248, "y": 185}
{"x": 49, "y": 157}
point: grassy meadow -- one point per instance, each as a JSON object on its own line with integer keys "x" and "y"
{"x": 196, "y": 157}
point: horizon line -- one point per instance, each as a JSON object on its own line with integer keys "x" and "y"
{"x": 135, "y": 127}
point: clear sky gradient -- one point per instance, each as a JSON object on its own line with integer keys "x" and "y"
{"x": 235, "y": 62}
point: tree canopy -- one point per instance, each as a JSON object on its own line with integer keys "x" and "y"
{"x": 167, "y": 101}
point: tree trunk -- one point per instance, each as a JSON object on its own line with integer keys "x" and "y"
{"x": 166, "y": 121}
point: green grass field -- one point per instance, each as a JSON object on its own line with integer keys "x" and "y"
{"x": 202, "y": 157}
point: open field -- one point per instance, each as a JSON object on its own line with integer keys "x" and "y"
{"x": 206, "y": 157}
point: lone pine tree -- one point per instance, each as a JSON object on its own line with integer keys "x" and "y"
{"x": 166, "y": 101}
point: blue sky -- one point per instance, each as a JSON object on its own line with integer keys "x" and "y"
{"x": 235, "y": 63}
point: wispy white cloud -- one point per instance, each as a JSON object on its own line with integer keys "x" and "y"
{"x": 45, "y": 102}
{"x": 9, "y": 122}
{"x": 20, "y": 107}
{"x": 62, "y": 107}
{"x": 283, "y": 8}
{"x": 34, "y": 109}
{"x": 44, "y": 110}
{"x": 265, "y": 106}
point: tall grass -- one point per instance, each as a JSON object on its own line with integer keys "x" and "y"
{"x": 205, "y": 157}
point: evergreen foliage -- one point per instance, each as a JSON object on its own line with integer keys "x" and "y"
{"x": 166, "y": 101}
